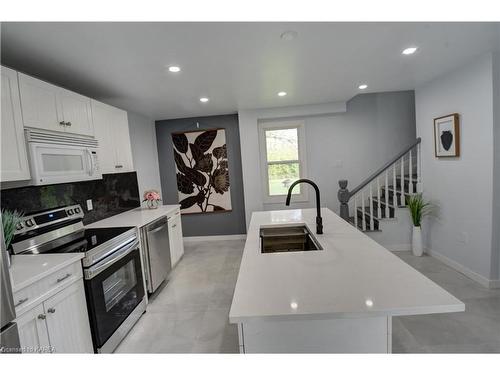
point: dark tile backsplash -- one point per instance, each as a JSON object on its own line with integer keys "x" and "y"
{"x": 114, "y": 194}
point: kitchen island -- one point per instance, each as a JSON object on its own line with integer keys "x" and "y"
{"x": 340, "y": 299}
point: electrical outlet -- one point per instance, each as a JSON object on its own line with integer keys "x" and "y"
{"x": 463, "y": 237}
{"x": 89, "y": 205}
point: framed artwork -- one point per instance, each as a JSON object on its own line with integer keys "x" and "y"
{"x": 202, "y": 171}
{"x": 447, "y": 136}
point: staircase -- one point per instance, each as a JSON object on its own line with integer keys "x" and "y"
{"x": 378, "y": 197}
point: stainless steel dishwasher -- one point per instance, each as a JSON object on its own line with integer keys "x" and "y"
{"x": 156, "y": 251}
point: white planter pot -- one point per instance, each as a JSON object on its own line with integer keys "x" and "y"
{"x": 416, "y": 242}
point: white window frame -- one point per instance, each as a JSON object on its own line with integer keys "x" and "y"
{"x": 301, "y": 134}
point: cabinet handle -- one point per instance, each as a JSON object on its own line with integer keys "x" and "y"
{"x": 21, "y": 301}
{"x": 63, "y": 278}
{"x": 42, "y": 316}
{"x": 68, "y": 123}
{"x": 62, "y": 123}
{"x": 51, "y": 310}
{"x": 173, "y": 226}
{"x": 119, "y": 166}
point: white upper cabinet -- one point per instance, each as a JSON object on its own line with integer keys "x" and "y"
{"x": 39, "y": 103}
{"x": 76, "y": 112}
{"x": 112, "y": 133}
{"x": 14, "y": 158}
{"x": 121, "y": 136}
{"x": 49, "y": 107}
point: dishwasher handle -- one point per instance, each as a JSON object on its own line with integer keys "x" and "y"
{"x": 157, "y": 229}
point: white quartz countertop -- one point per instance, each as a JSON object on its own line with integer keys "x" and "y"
{"x": 137, "y": 217}
{"x": 28, "y": 269}
{"x": 353, "y": 276}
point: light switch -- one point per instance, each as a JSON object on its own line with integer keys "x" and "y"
{"x": 89, "y": 205}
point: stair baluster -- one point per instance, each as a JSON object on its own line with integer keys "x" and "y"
{"x": 394, "y": 198}
{"x": 386, "y": 194}
{"x": 355, "y": 211}
{"x": 410, "y": 174}
{"x": 401, "y": 177}
{"x": 379, "y": 209}
{"x": 363, "y": 218}
{"x": 419, "y": 181}
{"x": 372, "y": 226}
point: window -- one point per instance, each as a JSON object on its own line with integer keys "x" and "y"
{"x": 282, "y": 159}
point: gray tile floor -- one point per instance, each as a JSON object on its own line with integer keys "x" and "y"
{"x": 477, "y": 330}
{"x": 190, "y": 314}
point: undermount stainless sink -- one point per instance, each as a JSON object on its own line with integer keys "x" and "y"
{"x": 287, "y": 238}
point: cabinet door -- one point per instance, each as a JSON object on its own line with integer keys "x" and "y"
{"x": 39, "y": 104}
{"x": 68, "y": 321}
{"x": 76, "y": 112}
{"x": 33, "y": 331}
{"x": 121, "y": 136}
{"x": 179, "y": 242}
{"x": 13, "y": 147}
{"x": 175, "y": 239}
{"x": 102, "y": 118}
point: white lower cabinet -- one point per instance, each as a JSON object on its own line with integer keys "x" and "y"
{"x": 68, "y": 321}
{"x": 175, "y": 237}
{"x": 33, "y": 333}
{"x": 60, "y": 324}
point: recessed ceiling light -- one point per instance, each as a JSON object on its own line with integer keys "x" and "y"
{"x": 409, "y": 51}
{"x": 282, "y": 93}
{"x": 204, "y": 100}
{"x": 174, "y": 69}
{"x": 363, "y": 86}
{"x": 289, "y": 35}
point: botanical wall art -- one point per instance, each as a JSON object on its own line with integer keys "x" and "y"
{"x": 447, "y": 136}
{"x": 202, "y": 171}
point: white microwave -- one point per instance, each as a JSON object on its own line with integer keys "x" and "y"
{"x": 57, "y": 158}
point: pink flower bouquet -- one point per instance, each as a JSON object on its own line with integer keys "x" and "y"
{"x": 152, "y": 197}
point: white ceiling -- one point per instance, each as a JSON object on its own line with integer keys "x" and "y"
{"x": 237, "y": 65}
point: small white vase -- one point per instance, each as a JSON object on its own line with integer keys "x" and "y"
{"x": 416, "y": 242}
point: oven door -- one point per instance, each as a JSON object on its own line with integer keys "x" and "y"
{"x": 114, "y": 287}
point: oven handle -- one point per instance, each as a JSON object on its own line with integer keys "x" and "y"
{"x": 98, "y": 268}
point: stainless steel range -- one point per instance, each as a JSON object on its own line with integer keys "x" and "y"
{"x": 111, "y": 265}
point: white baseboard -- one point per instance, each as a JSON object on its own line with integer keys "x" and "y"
{"x": 462, "y": 269}
{"x": 215, "y": 238}
{"x": 400, "y": 247}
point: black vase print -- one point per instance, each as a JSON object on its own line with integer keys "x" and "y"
{"x": 446, "y": 139}
{"x": 206, "y": 172}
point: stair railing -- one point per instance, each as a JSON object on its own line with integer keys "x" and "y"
{"x": 398, "y": 165}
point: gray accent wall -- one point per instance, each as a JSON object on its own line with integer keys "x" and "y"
{"x": 211, "y": 224}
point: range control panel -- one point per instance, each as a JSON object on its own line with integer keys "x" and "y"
{"x": 42, "y": 219}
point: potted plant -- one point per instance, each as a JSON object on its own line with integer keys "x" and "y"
{"x": 10, "y": 219}
{"x": 418, "y": 209}
{"x": 152, "y": 198}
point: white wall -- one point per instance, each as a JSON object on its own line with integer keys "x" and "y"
{"x": 343, "y": 142}
{"x": 144, "y": 152}
{"x": 249, "y": 139}
{"x": 460, "y": 188}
